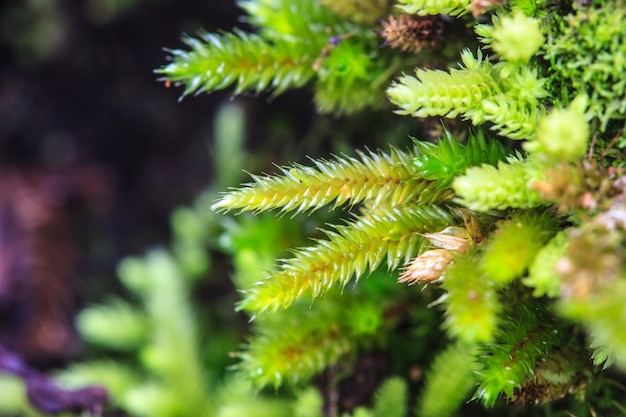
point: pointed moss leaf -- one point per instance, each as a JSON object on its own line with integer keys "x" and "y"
{"x": 382, "y": 179}
{"x": 350, "y": 251}
{"x": 246, "y": 61}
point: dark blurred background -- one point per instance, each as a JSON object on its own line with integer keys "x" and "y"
{"x": 95, "y": 152}
{"x": 77, "y": 89}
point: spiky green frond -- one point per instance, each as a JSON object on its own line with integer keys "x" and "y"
{"x": 508, "y": 364}
{"x": 440, "y": 93}
{"x": 450, "y": 377}
{"x": 447, "y": 159}
{"x": 294, "y": 20}
{"x": 425, "y": 7}
{"x": 247, "y": 61}
{"x": 384, "y": 179}
{"x": 509, "y": 117}
{"x": 351, "y": 250}
{"x": 509, "y": 185}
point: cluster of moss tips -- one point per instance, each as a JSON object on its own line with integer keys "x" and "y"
{"x": 516, "y": 223}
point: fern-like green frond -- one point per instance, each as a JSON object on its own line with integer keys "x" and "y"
{"x": 247, "y": 61}
{"x": 443, "y": 161}
{"x": 440, "y": 93}
{"x": 426, "y": 7}
{"x": 385, "y": 179}
{"x": 509, "y": 185}
{"x": 350, "y": 250}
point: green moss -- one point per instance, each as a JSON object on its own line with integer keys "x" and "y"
{"x": 535, "y": 292}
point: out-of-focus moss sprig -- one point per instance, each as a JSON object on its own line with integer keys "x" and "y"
{"x": 297, "y": 42}
{"x": 450, "y": 377}
{"x": 292, "y": 346}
